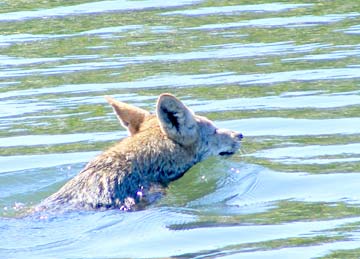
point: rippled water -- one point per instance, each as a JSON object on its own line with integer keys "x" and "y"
{"x": 284, "y": 74}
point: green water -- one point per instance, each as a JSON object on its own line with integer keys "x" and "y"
{"x": 285, "y": 74}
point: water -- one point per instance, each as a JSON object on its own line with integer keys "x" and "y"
{"x": 284, "y": 74}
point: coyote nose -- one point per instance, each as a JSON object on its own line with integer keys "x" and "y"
{"x": 238, "y": 135}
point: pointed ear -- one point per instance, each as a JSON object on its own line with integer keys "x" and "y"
{"x": 176, "y": 120}
{"x": 129, "y": 116}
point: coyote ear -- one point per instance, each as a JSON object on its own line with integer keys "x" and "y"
{"x": 176, "y": 120}
{"x": 129, "y": 116}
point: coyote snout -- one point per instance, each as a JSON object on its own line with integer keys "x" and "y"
{"x": 160, "y": 149}
{"x": 231, "y": 137}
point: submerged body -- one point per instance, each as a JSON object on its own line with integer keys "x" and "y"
{"x": 160, "y": 149}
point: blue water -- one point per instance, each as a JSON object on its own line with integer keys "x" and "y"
{"x": 286, "y": 75}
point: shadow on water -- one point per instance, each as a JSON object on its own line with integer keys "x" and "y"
{"x": 286, "y": 75}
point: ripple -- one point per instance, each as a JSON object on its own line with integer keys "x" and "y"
{"x": 292, "y": 127}
{"x": 225, "y": 51}
{"x": 313, "y": 154}
{"x": 11, "y": 163}
{"x": 208, "y": 52}
{"x": 25, "y": 184}
{"x": 273, "y": 186}
{"x": 333, "y": 55}
{"x": 228, "y": 78}
{"x": 112, "y": 30}
{"x": 351, "y": 30}
{"x": 6, "y": 61}
{"x": 10, "y": 39}
{"x": 225, "y": 78}
{"x": 63, "y": 69}
{"x": 50, "y": 238}
{"x": 35, "y": 140}
{"x": 288, "y": 101}
{"x": 12, "y": 108}
{"x": 239, "y": 183}
{"x": 236, "y": 9}
{"x": 94, "y": 7}
{"x": 7, "y": 40}
{"x": 164, "y": 242}
{"x": 299, "y": 252}
{"x": 309, "y": 151}
{"x": 286, "y": 22}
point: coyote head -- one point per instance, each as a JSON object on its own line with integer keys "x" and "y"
{"x": 180, "y": 125}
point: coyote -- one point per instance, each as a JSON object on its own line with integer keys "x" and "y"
{"x": 159, "y": 149}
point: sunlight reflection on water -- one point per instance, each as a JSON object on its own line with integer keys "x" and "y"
{"x": 285, "y": 75}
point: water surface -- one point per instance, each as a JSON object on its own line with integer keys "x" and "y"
{"x": 285, "y": 74}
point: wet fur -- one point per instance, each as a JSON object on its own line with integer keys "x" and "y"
{"x": 160, "y": 149}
